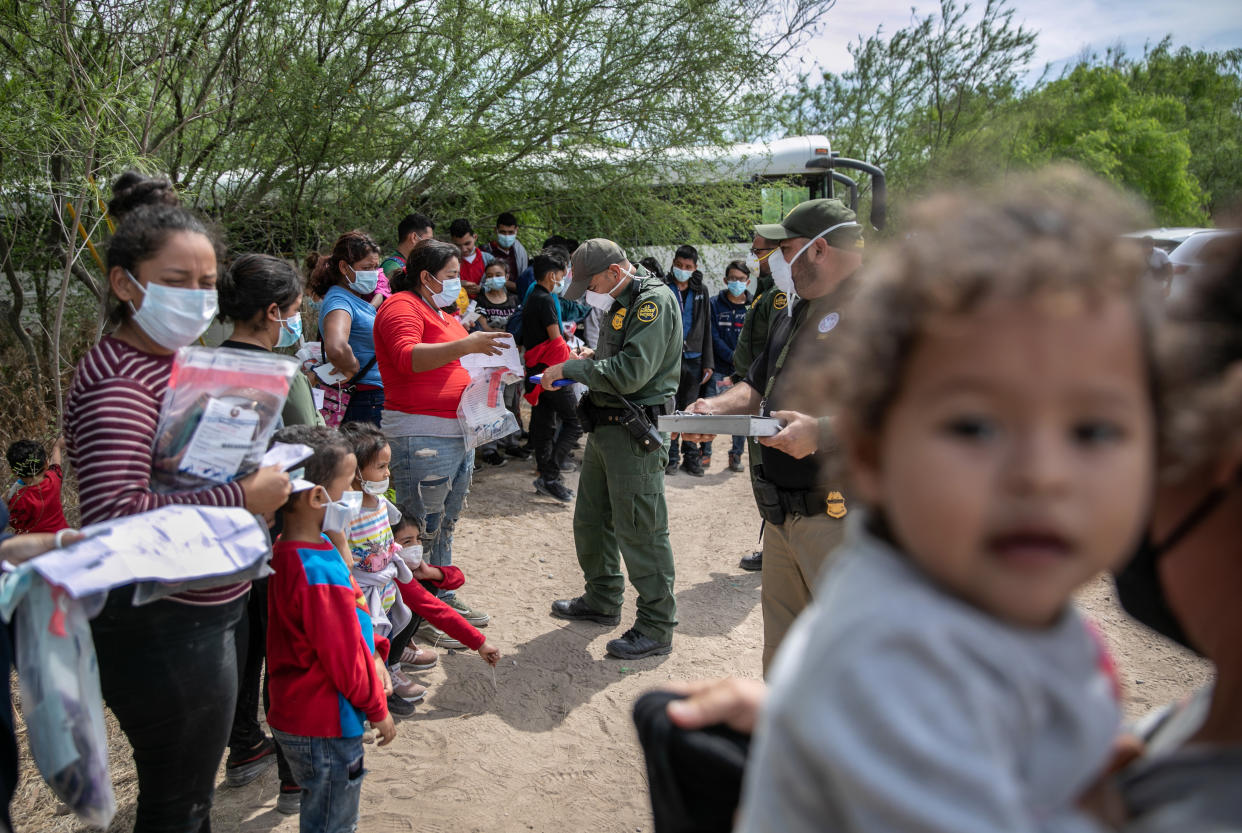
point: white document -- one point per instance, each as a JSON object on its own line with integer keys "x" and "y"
{"x": 286, "y": 455}
{"x": 171, "y": 544}
{"x": 478, "y": 364}
{"x": 329, "y": 375}
{"x": 223, "y": 438}
{"x": 317, "y": 396}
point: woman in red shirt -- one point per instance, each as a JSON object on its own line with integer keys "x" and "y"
{"x": 419, "y": 350}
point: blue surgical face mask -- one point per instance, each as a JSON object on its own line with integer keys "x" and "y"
{"x": 290, "y": 331}
{"x": 681, "y": 275}
{"x": 493, "y": 284}
{"x": 365, "y": 281}
{"x": 506, "y": 240}
{"x": 737, "y": 288}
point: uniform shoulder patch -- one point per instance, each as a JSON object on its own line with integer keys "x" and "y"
{"x": 618, "y": 320}
{"x": 780, "y": 301}
{"x": 647, "y": 312}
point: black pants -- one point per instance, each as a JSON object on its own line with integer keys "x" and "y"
{"x": 551, "y": 448}
{"x": 168, "y": 671}
{"x": 687, "y": 392}
{"x": 251, "y": 640}
{"x": 402, "y": 640}
{"x": 365, "y": 406}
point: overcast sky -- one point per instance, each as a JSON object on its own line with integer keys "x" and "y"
{"x": 1065, "y": 27}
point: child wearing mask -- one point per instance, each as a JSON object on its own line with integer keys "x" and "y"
{"x": 34, "y": 502}
{"x": 325, "y": 679}
{"x": 375, "y": 558}
{"x": 997, "y": 410}
{"x": 496, "y": 305}
{"x": 456, "y": 632}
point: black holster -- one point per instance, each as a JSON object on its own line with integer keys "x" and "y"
{"x": 768, "y": 499}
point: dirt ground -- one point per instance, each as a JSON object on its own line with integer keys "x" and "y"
{"x": 550, "y": 745}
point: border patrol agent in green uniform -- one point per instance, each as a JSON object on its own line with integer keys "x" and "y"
{"x": 632, "y": 378}
{"x": 803, "y": 508}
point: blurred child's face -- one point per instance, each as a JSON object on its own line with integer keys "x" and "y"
{"x": 1017, "y": 460}
{"x": 494, "y": 272}
{"x": 378, "y": 468}
{"x": 343, "y": 479}
{"x": 407, "y": 536}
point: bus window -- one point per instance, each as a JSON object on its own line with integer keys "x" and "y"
{"x": 779, "y": 200}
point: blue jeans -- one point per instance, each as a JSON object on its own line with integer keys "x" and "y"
{"x": 365, "y": 406}
{"x": 329, "y": 771}
{"x": 739, "y": 442}
{"x": 431, "y": 476}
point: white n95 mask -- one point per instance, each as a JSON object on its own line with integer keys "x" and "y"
{"x": 603, "y": 301}
{"x": 339, "y": 513}
{"x": 782, "y": 270}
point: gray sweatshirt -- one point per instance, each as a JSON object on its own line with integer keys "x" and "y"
{"x": 896, "y": 708}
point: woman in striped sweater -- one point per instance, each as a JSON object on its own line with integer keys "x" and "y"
{"x": 168, "y": 669}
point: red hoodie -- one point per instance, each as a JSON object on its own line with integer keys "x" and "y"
{"x": 319, "y": 645}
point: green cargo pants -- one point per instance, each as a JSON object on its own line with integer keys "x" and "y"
{"x": 621, "y": 504}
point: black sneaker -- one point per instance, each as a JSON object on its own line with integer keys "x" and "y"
{"x": 399, "y": 707}
{"x": 493, "y": 458}
{"x": 577, "y": 610}
{"x": 752, "y": 562}
{"x": 634, "y": 645}
{"x": 692, "y": 467}
{"x": 238, "y": 772}
{"x": 519, "y": 452}
{"x": 554, "y": 489}
{"x": 735, "y": 462}
{"x": 569, "y": 465}
{"x": 671, "y": 468}
{"x": 289, "y": 799}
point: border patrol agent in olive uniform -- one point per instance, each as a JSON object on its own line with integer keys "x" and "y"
{"x": 631, "y": 378}
{"x": 803, "y": 508}
{"x": 750, "y": 343}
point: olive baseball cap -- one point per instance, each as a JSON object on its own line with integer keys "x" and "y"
{"x": 588, "y": 260}
{"x": 811, "y": 218}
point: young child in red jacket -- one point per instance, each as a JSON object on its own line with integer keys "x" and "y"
{"x": 427, "y": 605}
{"x": 34, "y": 502}
{"x": 324, "y": 676}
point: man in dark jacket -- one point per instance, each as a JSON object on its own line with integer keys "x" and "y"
{"x": 697, "y": 354}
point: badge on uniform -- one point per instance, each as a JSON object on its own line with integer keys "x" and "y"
{"x": 619, "y": 319}
{"x": 647, "y": 312}
{"x": 780, "y": 301}
{"x": 835, "y": 505}
{"x": 828, "y": 322}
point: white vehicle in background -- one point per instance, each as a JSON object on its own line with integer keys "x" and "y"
{"x": 1195, "y": 253}
{"x": 1166, "y": 238}
{"x": 789, "y": 171}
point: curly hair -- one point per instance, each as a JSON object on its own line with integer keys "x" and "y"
{"x": 1200, "y": 358}
{"x": 324, "y": 271}
{"x": 1055, "y": 234}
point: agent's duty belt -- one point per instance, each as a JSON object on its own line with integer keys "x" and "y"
{"x": 776, "y": 503}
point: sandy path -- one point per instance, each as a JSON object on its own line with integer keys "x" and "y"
{"x": 552, "y": 747}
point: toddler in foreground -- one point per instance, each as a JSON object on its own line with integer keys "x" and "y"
{"x": 320, "y": 645}
{"x": 995, "y": 400}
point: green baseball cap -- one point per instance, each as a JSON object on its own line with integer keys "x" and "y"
{"x": 588, "y": 260}
{"x": 811, "y": 218}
